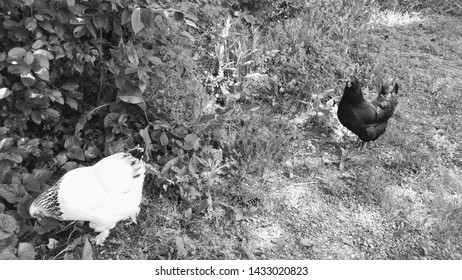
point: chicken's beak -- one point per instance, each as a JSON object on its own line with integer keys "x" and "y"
{"x": 35, "y": 212}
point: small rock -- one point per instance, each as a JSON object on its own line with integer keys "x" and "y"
{"x": 306, "y": 242}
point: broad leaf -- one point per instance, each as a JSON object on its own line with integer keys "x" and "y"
{"x": 16, "y": 53}
{"x": 12, "y": 192}
{"x": 72, "y": 103}
{"x": 29, "y": 58}
{"x": 191, "y": 141}
{"x": 7, "y": 255}
{"x": 37, "y": 44}
{"x": 70, "y": 86}
{"x": 92, "y": 152}
{"x": 68, "y": 166}
{"x": 26, "y": 251}
{"x": 145, "y": 134}
{"x": 137, "y": 24}
{"x": 30, "y": 23}
{"x": 6, "y": 144}
{"x": 8, "y": 226}
{"x": 52, "y": 113}
{"x": 61, "y": 158}
{"x": 36, "y": 117}
{"x": 76, "y": 153}
{"x": 87, "y": 252}
{"x": 164, "y": 139}
{"x": 111, "y": 119}
{"x": 46, "y": 224}
{"x": 72, "y": 141}
{"x": 27, "y": 79}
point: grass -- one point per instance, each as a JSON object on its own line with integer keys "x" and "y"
{"x": 286, "y": 196}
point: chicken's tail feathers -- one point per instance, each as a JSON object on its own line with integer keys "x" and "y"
{"x": 389, "y": 85}
{"x": 137, "y": 152}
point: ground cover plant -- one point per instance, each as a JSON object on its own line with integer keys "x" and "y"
{"x": 235, "y": 102}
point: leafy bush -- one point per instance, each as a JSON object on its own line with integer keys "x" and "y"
{"x": 72, "y": 79}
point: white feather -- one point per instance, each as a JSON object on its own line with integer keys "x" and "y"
{"x": 103, "y": 194}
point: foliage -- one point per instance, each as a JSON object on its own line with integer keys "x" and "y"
{"x": 73, "y": 76}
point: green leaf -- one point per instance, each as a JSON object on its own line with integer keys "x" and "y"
{"x": 155, "y": 60}
{"x": 12, "y": 192}
{"x": 26, "y": 251}
{"x": 68, "y": 166}
{"x": 7, "y": 254}
{"x": 111, "y": 119}
{"x": 164, "y": 139}
{"x": 61, "y": 158}
{"x": 145, "y": 134}
{"x": 92, "y": 152}
{"x": 29, "y": 59}
{"x": 47, "y": 26}
{"x": 43, "y": 59}
{"x": 37, "y": 44}
{"x": 43, "y": 74}
{"x": 87, "y": 252}
{"x": 72, "y": 103}
{"x": 71, "y": 86}
{"x": 30, "y": 182}
{"x": 125, "y": 16}
{"x": 137, "y": 25}
{"x": 11, "y": 157}
{"x": 90, "y": 28}
{"x": 8, "y": 226}
{"x": 70, "y": 3}
{"x": 52, "y": 113}
{"x": 76, "y": 153}
{"x": 36, "y": 117}
{"x": 59, "y": 29}
{"x": 6, "y": 144}
{"x": 16, "y": 53}
{"x": 5, "y": 92}
{"x": 28, "y": 2}
{"x": 133, "y": 98}
{"x": 42, "y": 175}
{"x": 78, "y": 31}
{"x": 18, "y": 69}
{"x": 10, "y": 24}
{"x": 30, "y": 23}
{"x": 71, "y": 141}
{"x": 27, "y": 79}
{"x": 55, "y": 96}
{"x": 116, "y": 147}
{"x": 191, "y": 141}
{"x": 5, "y": 166}
{"x": 77, "y": 9}
{"x": 46, "y": 224}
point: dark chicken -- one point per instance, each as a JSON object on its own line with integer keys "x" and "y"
{"x": 366, "y": 119}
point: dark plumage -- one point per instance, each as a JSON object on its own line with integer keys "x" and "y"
{"x": 366, "y": 119}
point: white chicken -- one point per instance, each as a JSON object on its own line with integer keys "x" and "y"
{"x": 103, "y": 194}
